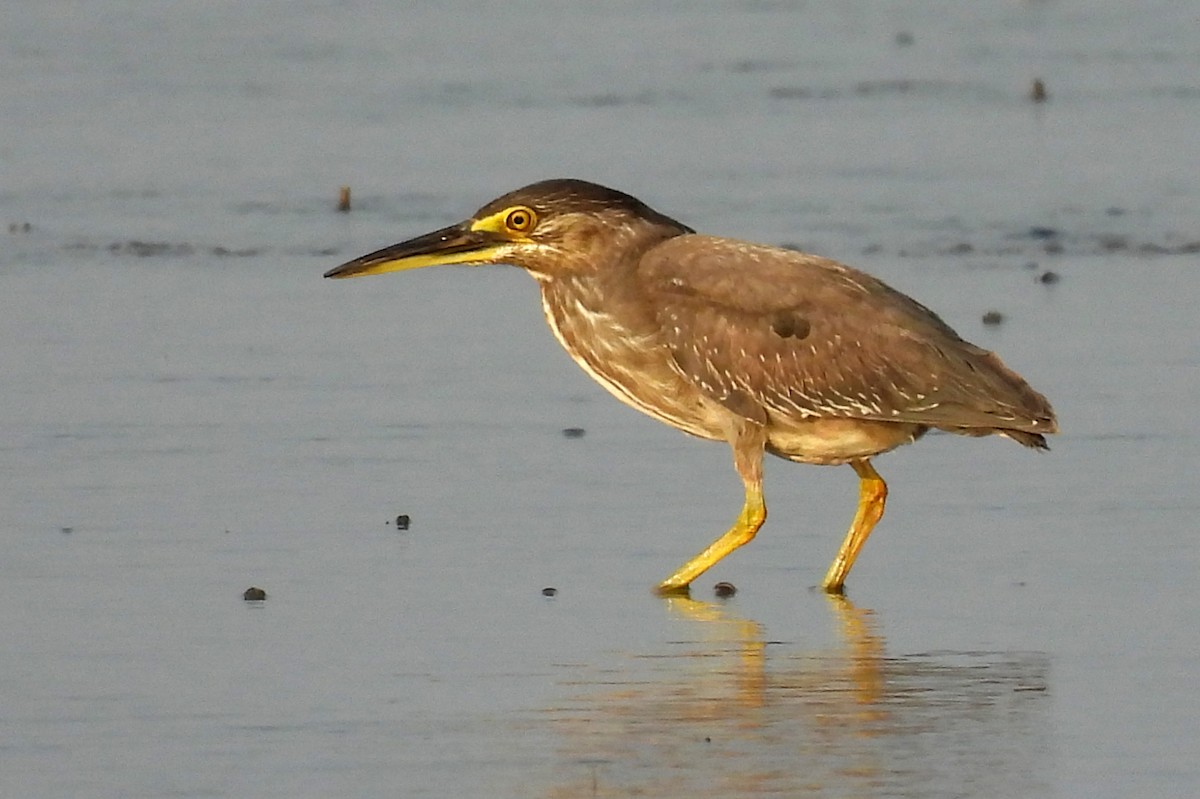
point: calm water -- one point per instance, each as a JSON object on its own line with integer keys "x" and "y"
{"x": 188, "y": 409}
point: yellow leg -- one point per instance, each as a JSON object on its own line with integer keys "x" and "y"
{"x": 747, "y": 524}
{"x": 872, "y": 495}
{"x": 748, "y": 441}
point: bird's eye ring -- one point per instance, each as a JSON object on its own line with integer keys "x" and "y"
{"x": 520, "y": 220}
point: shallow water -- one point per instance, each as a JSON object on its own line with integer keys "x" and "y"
{"x": 189, "y": 410}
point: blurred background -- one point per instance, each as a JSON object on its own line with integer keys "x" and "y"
{"x": 187, "y": 409}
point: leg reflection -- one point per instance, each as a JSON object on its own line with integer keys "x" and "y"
{"x": 722, "y": 708}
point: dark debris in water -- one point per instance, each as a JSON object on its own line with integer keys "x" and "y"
{"x": 880, "y": 88}
{"x": 245, "y": 252}
{"x": 1038, "y": 241}
{"x": 1034, "y": 241}
{"x": 614, "y": 100}
{"x": 137, "y": 248}
{"x": 993, "y": 318}
{"x": 147, "y": 249}
{"x": 745, "y": 66}
{"x": 802, "y": 93}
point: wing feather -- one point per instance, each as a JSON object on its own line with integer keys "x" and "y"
{"x": 767, "y": 330}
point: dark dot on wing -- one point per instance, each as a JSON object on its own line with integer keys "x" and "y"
{"x": 790, "y": 325}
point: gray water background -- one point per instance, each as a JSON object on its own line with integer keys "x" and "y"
{"x": 187, "y": 409}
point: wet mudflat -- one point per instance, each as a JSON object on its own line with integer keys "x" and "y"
{"x": 188, "y": 410}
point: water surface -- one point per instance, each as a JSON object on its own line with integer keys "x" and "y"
{"x": 188, "y": 409}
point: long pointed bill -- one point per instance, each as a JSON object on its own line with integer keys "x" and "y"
{"x": 457, "y": 244}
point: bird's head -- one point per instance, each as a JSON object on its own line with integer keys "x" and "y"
{"x": 550, "y": 228}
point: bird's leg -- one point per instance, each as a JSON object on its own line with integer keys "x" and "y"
{"x": 748, "y": 442}
{"x": 872, "y": 495}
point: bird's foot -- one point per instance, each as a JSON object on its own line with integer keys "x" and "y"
{"x": 667, "y": 590}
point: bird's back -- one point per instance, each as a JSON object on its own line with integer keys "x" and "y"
{"x": 804, "y": 337}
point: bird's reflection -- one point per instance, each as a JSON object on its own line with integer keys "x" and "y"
{"x": 725, "y": 711}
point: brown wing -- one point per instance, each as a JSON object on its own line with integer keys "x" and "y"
{"x": 762, "y": 329}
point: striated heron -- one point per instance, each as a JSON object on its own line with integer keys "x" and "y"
{"x": 768, "y": 349}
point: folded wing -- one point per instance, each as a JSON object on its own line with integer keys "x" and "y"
{"x": 767, "y": 331}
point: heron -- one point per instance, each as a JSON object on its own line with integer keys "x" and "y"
{"x": 768, "y": 349}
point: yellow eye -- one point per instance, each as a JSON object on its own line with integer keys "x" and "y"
{"x": 520, "y": 219}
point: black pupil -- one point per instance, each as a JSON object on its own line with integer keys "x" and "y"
{"x": 518, "y": 220}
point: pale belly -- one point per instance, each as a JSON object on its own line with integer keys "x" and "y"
{"x": 828, "y": 441}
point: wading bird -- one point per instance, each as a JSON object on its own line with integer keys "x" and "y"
{"x": 767, "y": 349}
